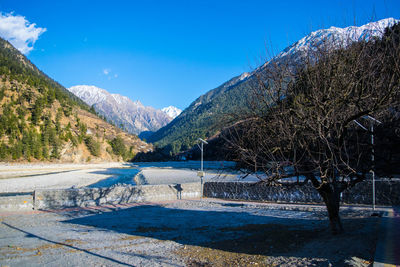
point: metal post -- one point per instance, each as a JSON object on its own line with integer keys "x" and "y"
{"x": 201, "y": 174}
{"x": 373, "y": 166}
{"x": 201, "y": 156}
{"x": 201, "y": 178}
{"x": 372, "y": 121}
{"x": 201, "y": 187}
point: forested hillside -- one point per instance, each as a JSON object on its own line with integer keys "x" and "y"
{"x": 41, "y": 120}
{"x": 208, "y": 114}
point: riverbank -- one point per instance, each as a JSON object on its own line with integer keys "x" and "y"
{"x": 16, "y": 177}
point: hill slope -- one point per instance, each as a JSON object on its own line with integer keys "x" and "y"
{"x": 206, "y": 115}
{"x": 40, "y": 120}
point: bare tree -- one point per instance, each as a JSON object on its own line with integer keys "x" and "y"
{"x": 301, "y": 122}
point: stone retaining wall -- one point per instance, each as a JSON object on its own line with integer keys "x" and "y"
{"x": 250, "y": 191}
{"x": 61, "y": 198}
{"x": 387, "y": 192}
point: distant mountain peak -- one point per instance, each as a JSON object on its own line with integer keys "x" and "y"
{"x": 172, "y": 111}
{"x": 133, "y": 115}
{"x": 204, "y": 114}
{"x": 244, "y": 76}
{"x": 338, "y": 36}
{"x": 89, "y": 93}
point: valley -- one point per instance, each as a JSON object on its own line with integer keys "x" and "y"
{"x": 293, "y": 162}
{"x": 83, "y": 121}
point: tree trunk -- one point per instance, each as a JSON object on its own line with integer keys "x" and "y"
{"x": 331, "y": 196}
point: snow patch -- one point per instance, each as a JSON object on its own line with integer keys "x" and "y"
{"x": 338, "y": 36}
{"x": 89, "y": 93}
{"x": 172, "y": 111}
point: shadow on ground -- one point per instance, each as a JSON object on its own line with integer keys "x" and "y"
{"x": 65, "y": 244}
{"x": 388, "y": 249}
{"x": 210, "y": 234}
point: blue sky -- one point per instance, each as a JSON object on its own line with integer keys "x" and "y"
{"x": 170, "y": 52}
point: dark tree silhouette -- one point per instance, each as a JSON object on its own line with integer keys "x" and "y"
{"x": 301, "y": 120}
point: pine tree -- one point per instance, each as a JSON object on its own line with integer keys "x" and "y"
{"x": 3, "y": 151}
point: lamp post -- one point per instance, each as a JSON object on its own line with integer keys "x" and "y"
{"x": 201, "y": 172}
{"x": 372, "y": 121}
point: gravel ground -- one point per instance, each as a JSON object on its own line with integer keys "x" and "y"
{"x": 185, "y": 233}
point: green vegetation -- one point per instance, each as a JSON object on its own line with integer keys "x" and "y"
{"x": 17, "y": 69}
{"x": 119, "y": 148}
{"x": 36, "y": 114}
{"x": 203, "y": 120}
{"x": 27, "y": 129}
{"x": 21, "y": 140}
{"x": 207, "y": 115}
{"x": 93, "y": 146}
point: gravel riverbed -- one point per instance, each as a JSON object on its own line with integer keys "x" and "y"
{"x": 29, "y": 177}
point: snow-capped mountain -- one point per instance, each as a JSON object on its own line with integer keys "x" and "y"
{"x": 133, "y": 115}
{"x": 172, "y": 111}
{"x": 204, "y": 115}
{"x": 90, "y": 94}
{"x": 332, "y": 37}
{"x": 339, "y": 37}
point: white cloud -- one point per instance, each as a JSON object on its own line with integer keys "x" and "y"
{"x": 19, "y": 32}
{"x": 109, "y": 75}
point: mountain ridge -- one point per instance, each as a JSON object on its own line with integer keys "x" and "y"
{"x": 204, "y": 117}
{"x": 40, "y": 120}
{"x": 133, "y": 116}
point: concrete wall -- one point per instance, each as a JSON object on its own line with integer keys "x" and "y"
{"x": 387, "y": 193}
{"x": 10, "y": 202}
{"x": 61, "y": 198}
